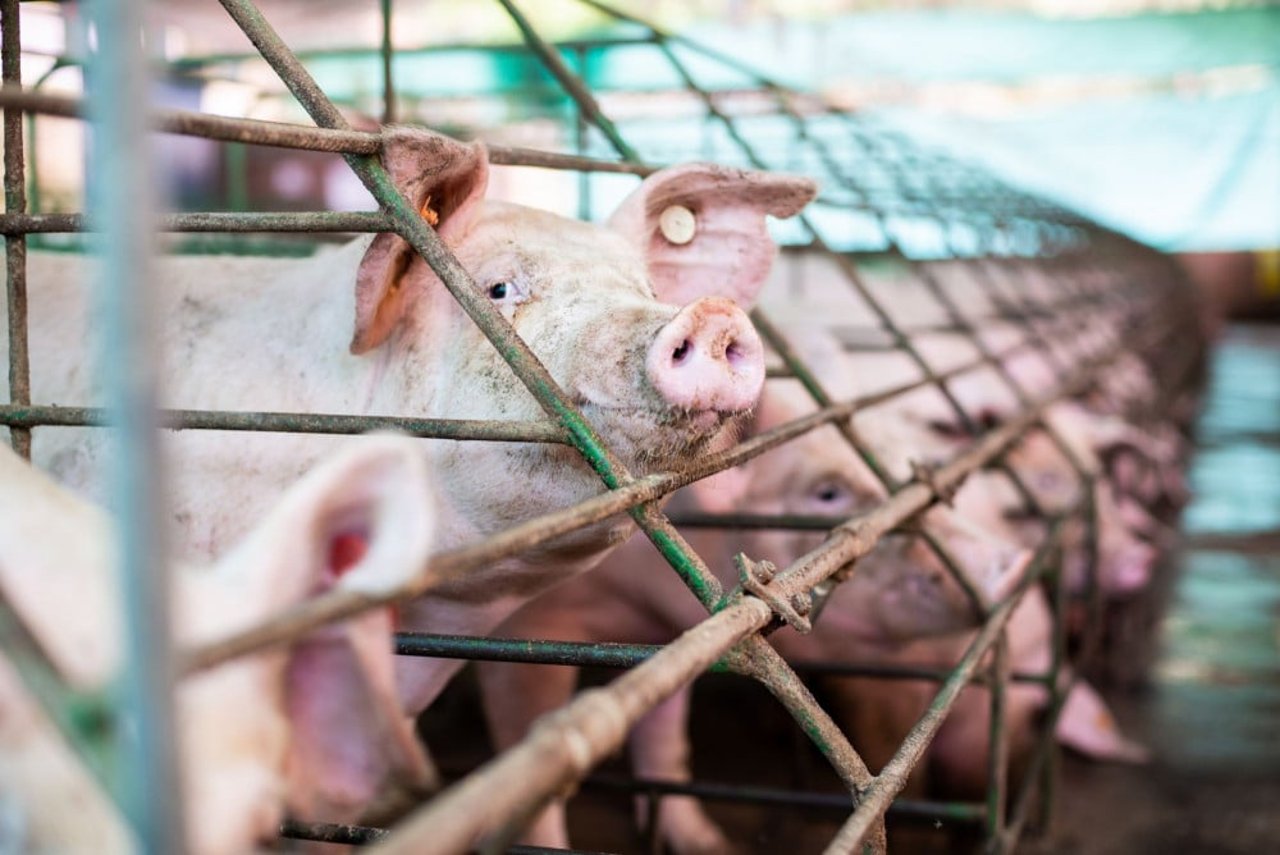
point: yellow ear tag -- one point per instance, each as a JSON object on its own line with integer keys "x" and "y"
{"x": 428, "y": 214}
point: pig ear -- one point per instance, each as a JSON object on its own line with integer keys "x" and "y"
{"x": 1088, "y": 726}
{"x": 445, "y": 181}
{"x": 702, "y": 228}
{"x": 362, "y": 520}
{"x": 58, "y": 574}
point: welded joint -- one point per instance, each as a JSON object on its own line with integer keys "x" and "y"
{"x": 756, "y": 576}
{"x": 926, "y": 474}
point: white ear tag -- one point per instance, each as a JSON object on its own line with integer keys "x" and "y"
{"x": 677, "y": 224}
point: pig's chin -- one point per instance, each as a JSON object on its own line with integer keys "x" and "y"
{"x": 655, "y": 440}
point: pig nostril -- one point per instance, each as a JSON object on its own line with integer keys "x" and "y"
{"x": 734, "y": 353}
{"x": 680, "y": 353}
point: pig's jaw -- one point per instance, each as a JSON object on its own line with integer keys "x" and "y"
{"x": 651, "y": 441}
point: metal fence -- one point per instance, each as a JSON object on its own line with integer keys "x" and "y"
{"x": 1003, "y": 238}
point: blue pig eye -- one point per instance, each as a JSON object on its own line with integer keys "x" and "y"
{"x": 498, "y": 291}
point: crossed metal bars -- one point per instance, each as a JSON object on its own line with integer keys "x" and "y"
{"x": 1097, "y": 266}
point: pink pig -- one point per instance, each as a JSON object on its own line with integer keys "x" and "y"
{"x": 639, "y": 321}
{"x": 897, "y": 599}
{"x": 897, "y": 594}
{"x": 291, "y": 728}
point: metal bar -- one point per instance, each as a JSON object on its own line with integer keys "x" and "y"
{"x": 363, "y": 835}
{"x": 87, "y": 721}
{"x": 998, "y": 743}
{"x": 580, "y": 141}
{"x": 337, "y": 605}
{"x": 530, "y": 651}
{"x": 121, "y": 197}
{"x": 459, "y": 429}
{"x": 755, "y": 657}
{"x": 606, "y": 654}
{"x": 387, "y": 52}
{"x": 893, "y": 777}
{"x": 214, "y": 221}
{"x": 15, "y": 203}
{"x": 573, "y": 87}
{"x": 336, "y": 140}
{"x": 743, "y": 794}
{"x": 567, "y": 742}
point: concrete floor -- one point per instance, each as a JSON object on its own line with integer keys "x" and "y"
{"x": 1207, "y": 703}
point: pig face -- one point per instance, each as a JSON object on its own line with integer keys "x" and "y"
{"x": 900, "y": 591}
{"x": 637, "y": 321}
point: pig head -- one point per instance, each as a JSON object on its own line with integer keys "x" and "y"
{"x": 640, "y": 321}
{"x": 284, "y": 730}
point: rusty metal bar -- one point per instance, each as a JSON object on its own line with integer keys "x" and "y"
{"x": 387, "y": 55}
{"x": 893, "y": 777}
{"x": 577, "y": 736}
{"x": 337, "y": 605}
{"x": 215, "y": 221}
{"x": 86, "y": 721}
{"x": 459, "y": 429}
{"x": 998, "y": 739}
{"x": 907, "y": 809}
{"x": 581, "y": 95}
{"x": 563, "y": 744}
{"x": 850, "y": 537}
{"x": 337, "y": 140}
{"x": 15, "y": 246}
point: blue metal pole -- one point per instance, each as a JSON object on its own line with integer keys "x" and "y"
{"x": 121, "y": 186}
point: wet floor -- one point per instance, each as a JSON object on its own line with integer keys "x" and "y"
{"x": 1210, "y": 708}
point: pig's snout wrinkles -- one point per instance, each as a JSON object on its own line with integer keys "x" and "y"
{"x": 708, "y": 358}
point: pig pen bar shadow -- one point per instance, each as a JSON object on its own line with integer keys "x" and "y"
{"x": 1100, "y": 268}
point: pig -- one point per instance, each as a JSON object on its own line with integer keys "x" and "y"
{"x": 928, "y": 429}
{"x": 897, "y": 594}
{"x": 638, "y": 320}
{"x": 287, "y": 729}
{"x": 895, "y": 597}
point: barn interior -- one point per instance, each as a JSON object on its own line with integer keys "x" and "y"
{"x": 1053, "y": 196}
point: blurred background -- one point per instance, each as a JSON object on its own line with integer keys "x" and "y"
{"x": 1160, "y": 118}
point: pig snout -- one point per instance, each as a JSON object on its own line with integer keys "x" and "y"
{"x": 1131, "y": 569}
{"x": 708, "y": 358}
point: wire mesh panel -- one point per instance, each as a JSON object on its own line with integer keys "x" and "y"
{"x": 911, "y": 247}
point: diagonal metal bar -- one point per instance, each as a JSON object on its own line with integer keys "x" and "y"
{"x": 893, "y": 777}
{"x": 568, "y": 742}
{"x": 570, "y": 82}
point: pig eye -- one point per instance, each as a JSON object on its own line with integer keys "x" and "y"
{"x": 950, "y": 430}
{"x": 508, "y": 293}
{"x": 830, "y": 492}
{"x": 989, "y": 418}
